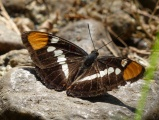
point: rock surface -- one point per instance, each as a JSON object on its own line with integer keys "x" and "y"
{"x": 24, "y": 97}
{"x": 9, "y": 40}
{"x": 78, "y": 33}
{"x": 14, "y": 58}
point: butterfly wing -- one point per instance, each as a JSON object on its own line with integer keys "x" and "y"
{"x": 105, "y": 74}
{"x": 56, "y": 59}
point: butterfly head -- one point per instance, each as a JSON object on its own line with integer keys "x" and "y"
{"x": 95, "y": 52}
{"x": 91, "y": 58}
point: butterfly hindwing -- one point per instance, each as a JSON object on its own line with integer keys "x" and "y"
{"x": 87, "y": 84}
{"x": 105, "y": 74}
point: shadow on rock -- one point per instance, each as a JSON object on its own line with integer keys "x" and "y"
{"x": 107, "y": 98}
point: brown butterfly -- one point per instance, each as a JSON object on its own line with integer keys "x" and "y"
{"x": 63, "y": 65}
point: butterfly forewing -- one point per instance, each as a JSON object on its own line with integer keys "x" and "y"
{"x": 55, "y": 58}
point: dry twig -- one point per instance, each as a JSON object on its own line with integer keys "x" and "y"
{"x": 7, "y": 17}
{"x": 116, "y": 36}
{"x": 139, "y": 51}
{"x": 142, "y": 26}
{"x": 154, "y": 11}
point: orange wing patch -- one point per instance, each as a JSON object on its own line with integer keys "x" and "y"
{"x": 38, "y": 40}
{"x": 132, "y": 71}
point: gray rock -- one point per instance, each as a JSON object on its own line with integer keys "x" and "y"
{"x": 9, "y": 40}
{"x": 14, "y": 58}
{"x": 24, "y": 97}
{"x": 78, "y": 33}
{"x": 153, "y": 111}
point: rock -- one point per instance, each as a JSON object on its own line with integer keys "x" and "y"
{"x": 78, "y": 33}
{"x": 9, "y": 40}
{"x": 14, "y": 58}
{"x": 153, "y": 111}
{"x": 24, "y": 97}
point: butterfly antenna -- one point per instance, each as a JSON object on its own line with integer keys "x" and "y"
{"x": 104, "y": 45}
{"x": 91, "y": 36}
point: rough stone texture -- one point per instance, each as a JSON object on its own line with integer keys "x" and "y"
{"x": 78, "y": 33}
{"x": 9, "y": 40}
{"x": 22, "y": 97}
{"x": 153, "y": 111}
{"x": 14, "y": 58}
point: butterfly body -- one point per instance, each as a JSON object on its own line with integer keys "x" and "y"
{"x": 91, "y": 58}
{"x": 63, "y": 65}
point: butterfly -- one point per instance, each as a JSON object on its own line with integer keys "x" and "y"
{"x": 63, "y": 65}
